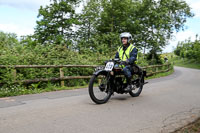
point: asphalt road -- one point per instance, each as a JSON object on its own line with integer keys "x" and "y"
{"x": 164, "y": 105}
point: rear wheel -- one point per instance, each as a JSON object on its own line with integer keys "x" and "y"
{"x": 137, "y": 85}
{"x": 99, "y": 88}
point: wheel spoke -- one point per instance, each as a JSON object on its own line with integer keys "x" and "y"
{"x": 98, "y": 88}
{"x": 137, "y": 85}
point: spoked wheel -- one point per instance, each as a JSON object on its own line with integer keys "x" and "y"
{"x": 99, "y": 89}
{"x": 137, "y": 85}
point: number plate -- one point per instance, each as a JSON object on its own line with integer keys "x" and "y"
{"x": 109, "y": 66}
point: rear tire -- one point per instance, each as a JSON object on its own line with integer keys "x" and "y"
{"x": 138, "y": 87}
{"x": 102, "y": 88}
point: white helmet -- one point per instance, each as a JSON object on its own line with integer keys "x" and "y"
{"x": 126, "y": 35}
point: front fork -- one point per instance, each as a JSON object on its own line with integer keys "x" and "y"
{"x": 110, "y": 82}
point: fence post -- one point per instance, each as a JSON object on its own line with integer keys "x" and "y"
{"x": 157, "y": 69}
{"x": 61, "y": 76}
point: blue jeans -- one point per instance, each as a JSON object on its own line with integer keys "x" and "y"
{"x": 127, "y": 71}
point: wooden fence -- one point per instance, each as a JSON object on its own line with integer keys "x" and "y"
{"x": 151, "y": 70}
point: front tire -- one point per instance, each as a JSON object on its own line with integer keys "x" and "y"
{"x": 101, "y": 92}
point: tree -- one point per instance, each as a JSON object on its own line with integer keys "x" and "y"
{"x": 151, "y": 23}
{"x": 8, "y": 39}
{"x": 159, "y": 20}
{"x": 88, "y": 20}
{"x": 189, "y": 49}
{"x": 56, "y": 22}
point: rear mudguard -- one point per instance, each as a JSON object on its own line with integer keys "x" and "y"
{"x": 144, "y": 74}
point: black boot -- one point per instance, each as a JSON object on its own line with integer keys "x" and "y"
{"x": 129, "y": 87}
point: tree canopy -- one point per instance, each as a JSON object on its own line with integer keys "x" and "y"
{"x": 56, "y": 22}
{"x": 97, "y": 27}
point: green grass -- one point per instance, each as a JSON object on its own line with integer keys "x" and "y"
{"x": 21, "y": 90}
{"x": 187, "y": 63}
{"x": 161, "y": 74}
{"x": 191, "y": 128}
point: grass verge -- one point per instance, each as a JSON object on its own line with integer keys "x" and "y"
{"x": 161, "y": 74}
{"x": 21, "y": 90}
{"x": 191, "y": 128}
{"x": 187, "y": 63}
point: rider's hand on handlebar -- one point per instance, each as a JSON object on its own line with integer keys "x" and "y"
{"x": 125, "y": 62}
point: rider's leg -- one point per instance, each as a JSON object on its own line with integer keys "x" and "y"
{"x": 128, "y": 75}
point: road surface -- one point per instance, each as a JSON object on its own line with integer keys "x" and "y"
{"x": 164, "y": 105}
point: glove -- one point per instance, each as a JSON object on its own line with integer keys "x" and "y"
{"x": 125, "y": 62}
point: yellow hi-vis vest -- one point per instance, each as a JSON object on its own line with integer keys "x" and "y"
{"x": 124, "y": 55}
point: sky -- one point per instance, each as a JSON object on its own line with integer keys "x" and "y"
{"x": 19, "y": 16}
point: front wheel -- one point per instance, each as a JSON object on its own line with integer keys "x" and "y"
{"x": 137, "y": 85}
{"x": 99, "y": 88}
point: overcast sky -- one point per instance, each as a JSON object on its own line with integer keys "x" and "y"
{"x": 19, "y": 16}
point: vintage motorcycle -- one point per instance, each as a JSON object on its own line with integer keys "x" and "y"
{"x": 110, "y": 78}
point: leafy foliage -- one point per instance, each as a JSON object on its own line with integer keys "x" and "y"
{"x": 25, "y": 52}
{"x": 56, "y": 23}
{"x": 188, "y": 49}
{"x": 8, "y": 39}
{"x": 151, "y": 22}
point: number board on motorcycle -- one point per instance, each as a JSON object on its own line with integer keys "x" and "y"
{"x": 109, "y": 66}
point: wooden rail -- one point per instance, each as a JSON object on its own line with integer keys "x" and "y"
{"x": 62, "y": 77}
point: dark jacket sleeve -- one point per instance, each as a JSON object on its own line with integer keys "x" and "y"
{"x": 116, "y": 55}
{"x": 133, "y": 56}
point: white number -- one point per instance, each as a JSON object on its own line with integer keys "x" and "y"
{"x": 109, "y": 66}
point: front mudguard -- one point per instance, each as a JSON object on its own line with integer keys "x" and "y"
{"x": 100, "y": 71}
{"x": 109, "y": 78}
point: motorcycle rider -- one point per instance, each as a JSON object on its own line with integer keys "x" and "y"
{"x": 127, "y": 53}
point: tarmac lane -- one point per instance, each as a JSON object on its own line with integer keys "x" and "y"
{"x": 164, "y": 105}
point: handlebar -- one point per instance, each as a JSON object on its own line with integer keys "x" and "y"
{"x": 116, "y": 60}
